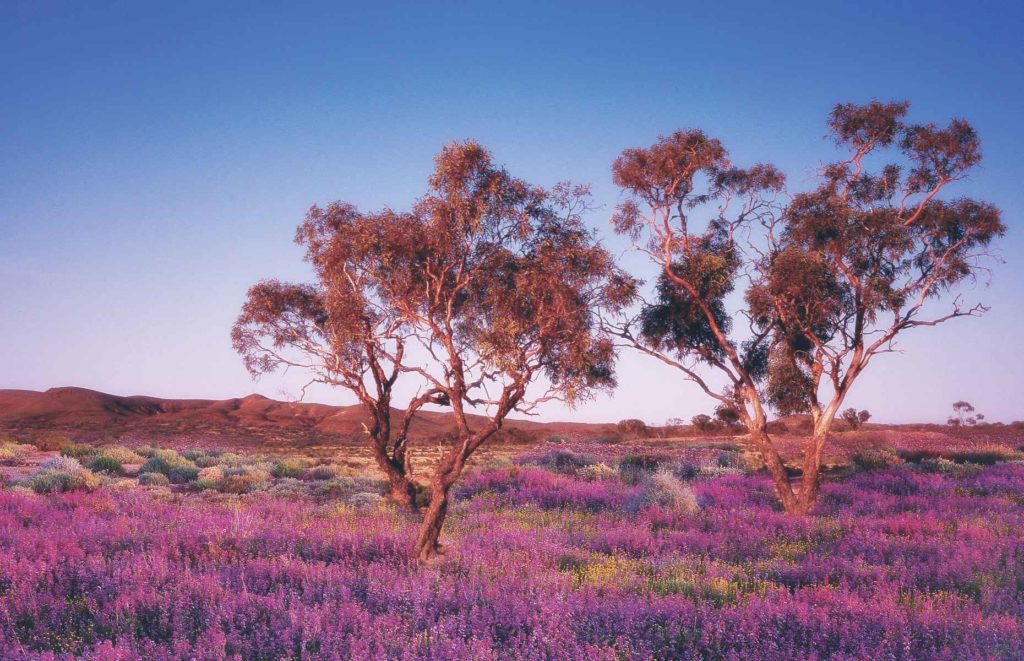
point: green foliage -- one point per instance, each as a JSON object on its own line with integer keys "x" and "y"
{"x": 183, "y": 474}
{"x": 164, "y": 461}
{"x": 78, "y": 450}
{"x": 153, "y": 480}
{"x": 876, "y": 458}
{"x": 121, "y": 454}
{"x": 59, "y": 481}
{"x": 290, "y": 467}
{"x": 51, "y": 440}
{"x": 13, "y": 454}
{"x": 104, "y": 463}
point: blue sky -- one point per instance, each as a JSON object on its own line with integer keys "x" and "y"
{"x": 156, "y": 157}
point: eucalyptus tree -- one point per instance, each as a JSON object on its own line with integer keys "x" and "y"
{"x": 821, "y": 283}
{"x": 494, "y": 281}
{"x": 500, "y": 282}
{"x": 341, "y": 330}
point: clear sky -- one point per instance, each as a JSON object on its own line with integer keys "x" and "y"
{"x": 155, "y": 158}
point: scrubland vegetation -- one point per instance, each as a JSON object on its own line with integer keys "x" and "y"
{"x": 567, "y": 550}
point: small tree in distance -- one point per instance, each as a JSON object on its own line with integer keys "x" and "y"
{"x": 964, "y": 415}
{"x": 833, "y": 276}
{"x": 855, "y": 418}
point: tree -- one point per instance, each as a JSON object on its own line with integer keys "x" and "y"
{"x": 832, "y": 277}
{"x": 633, "y": 428}
{"x": 341, "y": 329}
{"x": 964, "y": 415}
{"x": 495, "y": 282}
{"x": 703, "y": 422}
{"x": 855, "y": 418}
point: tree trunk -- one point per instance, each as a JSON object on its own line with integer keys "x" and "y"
{"x": 403, "y": 491}
{"x": 427, "y": 545}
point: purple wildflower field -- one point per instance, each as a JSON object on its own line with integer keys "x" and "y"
{"x": 542, "y": 563}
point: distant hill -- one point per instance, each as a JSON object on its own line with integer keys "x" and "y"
{"x": 89, "y": 411}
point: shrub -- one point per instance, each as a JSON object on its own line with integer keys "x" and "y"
{"x": 153, "y": 480}
{"x": 596, "y": 472}
{"x": 50, "y": 480}
{"x": 288, "y": 487}
{"x": 876, "y": 458}
{"x": 244, "y": 480}
{"x": 183, "y": 474}
{"x": 564, "y": 461}
{"x": 687, "y": 471}
{"x": 777, "y": 427}
{"x": 78, "y": 450}
{"x": 51, "y": 441}
{"x": 61, "y": 463}
{"x": 326, "y": 471}
{"x": 121, "y": 454}
{"x": 13, "y": 454}
{"x": 106, "y": 464}
{"x": 666, "y": 491}
{"x": 335, "y": 487}
{"x": 634, "y": 467}
{"x": 290, "y": 467}
{"x": 164, "y": 461}
{"x": 364, "y": 499}
{"x": 633, "y": 428}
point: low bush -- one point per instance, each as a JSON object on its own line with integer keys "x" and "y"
{"x": 666, "y": 491}
{"x": 79, "y": 451}
{"x": 13, "y": 454}
{"x": 325, "y": 471}
{"x": 61, "y": 474}
{"x": 106, "y": 464}
{"x": 563, "y": 461}
{"x": 51, "y": 441}
{"x": 635, "y": 467}
{"x": 61, "y": 463}
{"x": 164, "y": 461}
{"x": 876, "y": 458}
{"x": 153, "y": 480}
{"x": 244, "y": 480}
{"x": 183, "y": 474}
{"x": 121, "y": 454}
{"x": 290, "y": 467}
{"x": 597, "y": 472}
{"x": 985, "y": 455}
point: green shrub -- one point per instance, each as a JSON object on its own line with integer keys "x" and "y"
{"x": 290, "y": 467}
{"x": 121, "y": 454}
{"x": 78, "y": 450}
{"x": 326, "y": 471}
{"x": 51, "y": 440}
{"x": 244, "y": 480}
{"x": 60, "y": 481}
{"x": 13, "y": 454}
{"x": 183, "y": 474}
{"x": 597, "y": 472}
{"x": 164, "y": 461}
{"x": 564, "y": 461}
{"x": 153, "y": 480}
{"x": 335, "y": 487}
{"x": 876, "y": 458}
{"x": 634, "y": 467}
{"x": 106, "y": 464}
